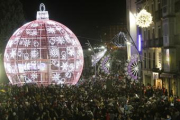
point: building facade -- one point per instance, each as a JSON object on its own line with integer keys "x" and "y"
{"x": 160, "y": 43}
{"x": 107, "y": 33}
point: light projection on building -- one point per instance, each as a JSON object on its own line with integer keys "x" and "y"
{"x": 167, "y": 57}
{"x": 160, "y": 61}
{"x": 43, "y": 52}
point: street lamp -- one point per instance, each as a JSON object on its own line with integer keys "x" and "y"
{"x": 102, "y": 47}
{"x": 89, "y": 49}
{"x": 96, "y": 56}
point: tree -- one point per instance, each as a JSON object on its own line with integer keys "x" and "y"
{"x": 11, "y": 18}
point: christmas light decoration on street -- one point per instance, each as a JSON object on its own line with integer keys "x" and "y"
{"x": 120, "y": 40}
{"x": 143, "y": 19}
{"x": 131, "y": 68}
{"x": 43, "y": 52}
{"x": 97, "y": 57}
{"x": 105, "y": 65}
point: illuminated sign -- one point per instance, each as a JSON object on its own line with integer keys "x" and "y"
{"x": 139, "y": 43}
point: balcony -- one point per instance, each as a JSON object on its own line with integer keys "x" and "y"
{"x": 177, "y": 39}
{"x": 140, "y": 1}
{"x": 177, "y": 4}
{"x": 158, "y": 15}
{"x": 157, "y": 42}
{"x": 165, "y": 11}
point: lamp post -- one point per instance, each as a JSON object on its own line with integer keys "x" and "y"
{"x": 91, "y": 49}
{"x": 96, "y": 57}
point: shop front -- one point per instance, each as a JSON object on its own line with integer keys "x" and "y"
{"x": 170, "y": 82}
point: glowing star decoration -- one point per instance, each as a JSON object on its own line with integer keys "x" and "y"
{"x": 54, "y": 52}
{"x": 60, "y": 40}
{"x": 10, "y": 44}
{"x": 27, "y": 43}
{"x": 56, "y": 76}
{"x": 64, "y": 66}
{"x": 51, "y": 30}
{"x": 13, "y": 53}
{"x": 132, "y": 69}
{"x": 143, "y": 19}
{"x": 43, "y": 52}
{"x": 34, "y": 53}
{"x": 70, "y": 51}
{"x": 34, "y": 76}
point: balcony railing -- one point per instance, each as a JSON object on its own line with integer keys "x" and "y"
{"x": 177, "y": 39}
{"x": 157, "y": 42}
{"x": 140, "y": 1}
{"x": 177, "y": 4}
{"x": 158, "y": 14}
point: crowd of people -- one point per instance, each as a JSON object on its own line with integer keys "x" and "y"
{"x": 100, "y": 98}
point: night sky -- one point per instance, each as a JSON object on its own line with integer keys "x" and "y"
{"x": 83, "y": 18}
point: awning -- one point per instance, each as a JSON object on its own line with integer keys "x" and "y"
{"x": 167, "y": 75}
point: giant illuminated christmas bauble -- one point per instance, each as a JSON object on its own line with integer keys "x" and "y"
{"x": 43, "y": 52}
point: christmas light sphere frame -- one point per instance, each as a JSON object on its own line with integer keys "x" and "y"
{"x": 43, "y": 52}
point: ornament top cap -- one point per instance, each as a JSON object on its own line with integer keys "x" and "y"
{"x": 42, "y": 7}
{"x": 42, "y": 14}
